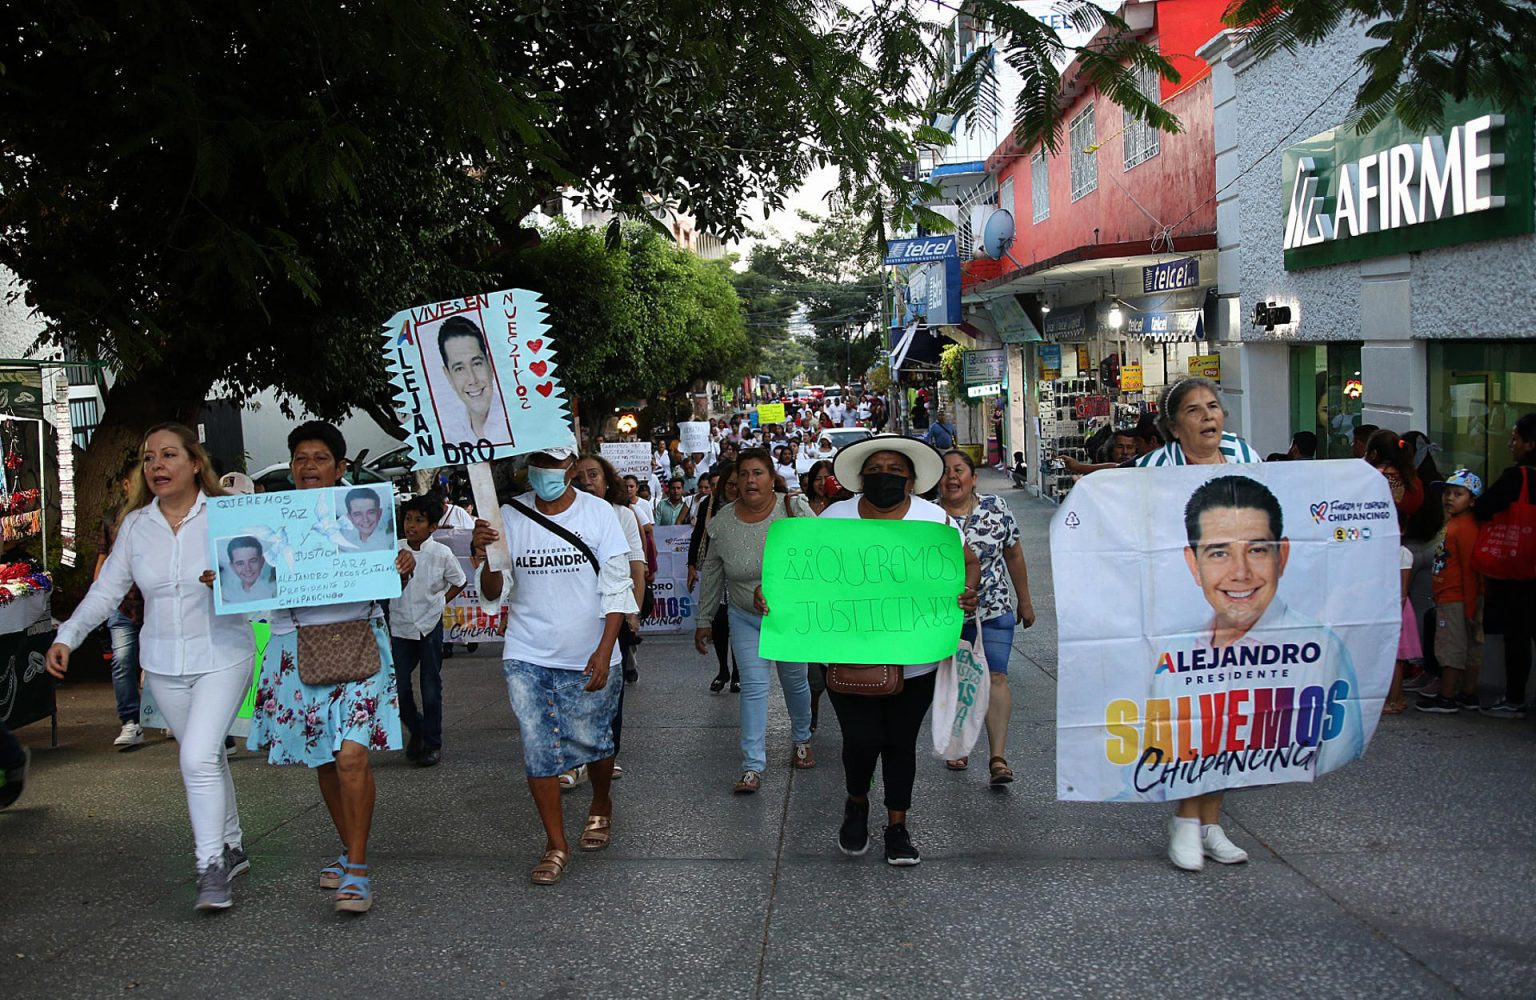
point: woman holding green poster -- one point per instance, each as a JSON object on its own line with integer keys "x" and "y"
{"x": 331, "y": 726}
{"x": 196, "y": 664}
{"x": 733, "y": 564}
{"x": 886, "y": 471}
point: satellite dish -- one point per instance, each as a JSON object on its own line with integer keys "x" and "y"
{"x": 997, "y": 234}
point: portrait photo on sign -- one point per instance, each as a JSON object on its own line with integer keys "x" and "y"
{"x": 462, "y": 381}
{"x": 364, "y": 517}
{"x": 1221, "y": 626}
{"x": 247, "y": 572}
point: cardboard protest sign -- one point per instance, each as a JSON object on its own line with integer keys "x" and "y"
{"x": 673, "y": 608}
{"x": 1221, "y": 626}
{"x": 771, "y": 413}
{"x": 300, "y": 548}
{"x": 463, "y": 619}
{"x": 694, "y": 435}
{"x": 474, "y": 379}
{"x": 861, "y": 591}
{"x": 629, "y": 458}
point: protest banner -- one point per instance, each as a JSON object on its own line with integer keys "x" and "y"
{"x": 629, "y": 458}
{"x": 474, "y": 382}
{"x": 770, "y": 413}
{"x": 861, "y": 591}
{"x": 694, "y": 435}
{"x": 463, "y": 619}
{"x": 673, "y": 608}
{"x": 300, "y": 548}
{"x": 1220, "y": 626}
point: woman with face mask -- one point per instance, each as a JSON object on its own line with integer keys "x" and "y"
{"x": 886, "y": 472}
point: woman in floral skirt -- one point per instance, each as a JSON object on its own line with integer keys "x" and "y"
{"x": 330, "y": 727}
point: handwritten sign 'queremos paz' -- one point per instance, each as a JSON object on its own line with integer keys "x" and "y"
{"x": 861, "y": 591}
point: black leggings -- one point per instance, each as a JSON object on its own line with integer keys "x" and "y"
{"x": 883, "y": 729}
{"x": 1516, "y": 603}
{"x": 11, "y": 756}
{"x": 721, "y": 635}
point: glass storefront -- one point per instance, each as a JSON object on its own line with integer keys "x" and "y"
{"x": 1477, "y": 389}
{"x": 1326, "y": 395}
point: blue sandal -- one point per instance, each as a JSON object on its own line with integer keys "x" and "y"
{"x": 332, "y": 874}
{"x": 360, "y": 889}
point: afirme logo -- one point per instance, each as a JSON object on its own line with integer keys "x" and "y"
{"x": 1404, "y": 185}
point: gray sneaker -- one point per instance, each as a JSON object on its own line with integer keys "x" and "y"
{"x": 235, "y": 860}
{"x": 1502, "y": 709}
{"x": 213, "y": 892}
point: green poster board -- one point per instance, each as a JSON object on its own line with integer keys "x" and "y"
{"x": 263, "y": 633}
{"x": 861, "y": 591}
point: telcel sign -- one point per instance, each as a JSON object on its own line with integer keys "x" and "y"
{"x": 1351, "y": 197}
{"x": 920, "y": 250}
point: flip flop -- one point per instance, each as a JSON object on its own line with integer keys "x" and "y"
{"x": 958, "y": 764}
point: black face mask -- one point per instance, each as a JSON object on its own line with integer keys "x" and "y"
{"x": 884, "y": 490}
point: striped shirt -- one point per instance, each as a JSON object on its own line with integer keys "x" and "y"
{"x": 1234, "y": 450}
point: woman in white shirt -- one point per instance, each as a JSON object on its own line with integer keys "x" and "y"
{"x": 196, "y": 664}
{"x": 331, "y": 727}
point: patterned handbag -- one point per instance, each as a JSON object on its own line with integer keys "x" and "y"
{"x": 338, "y": 653}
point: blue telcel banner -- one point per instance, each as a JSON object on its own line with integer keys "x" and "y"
{"x": 301, "y": 548}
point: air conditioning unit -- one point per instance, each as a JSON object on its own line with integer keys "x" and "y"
{"x": 979, "y": 215}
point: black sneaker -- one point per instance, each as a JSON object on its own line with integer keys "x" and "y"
{"x": 1437, "y": 705}
{"x": 14, "y": 780}
{"x": 853, "y": 835}
{"x": 235, "y": 860}
{"x": 898, "y": 847}
{"x": 1469, "y": 702}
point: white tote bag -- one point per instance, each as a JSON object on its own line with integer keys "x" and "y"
{"x": 960, "y": 694}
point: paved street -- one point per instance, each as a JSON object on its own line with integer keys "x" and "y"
{"x": 1408, "y": 874}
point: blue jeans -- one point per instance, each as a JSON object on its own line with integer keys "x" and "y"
{"x": 428, "y": 653}
{"x": 996, "y": 640}
{"x": 125, "y": 665}
{"x": 745, "y": 629}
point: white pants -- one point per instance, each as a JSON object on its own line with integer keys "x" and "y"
{"x": 199, "y": 708}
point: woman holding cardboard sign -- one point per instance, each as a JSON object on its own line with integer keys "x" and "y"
{"x": 327, "y": 694}
{"x": 886, "y": 471}
{"x": 196, "y": 664}
{"x": 733, "y": 563}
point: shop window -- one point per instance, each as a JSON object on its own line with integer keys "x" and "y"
{"x": 1327, "y": 395}
{"x": 1477, "y": 390}
{"x": 1039, "y": 193}
{"x": 1141, "y": 139}
{"x": 1085, "y": 154}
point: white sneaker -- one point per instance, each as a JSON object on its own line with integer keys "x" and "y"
{"x": 132, "y": 735}
{"x": 1184, "y": 848}
{"x": 1221, "y": 850}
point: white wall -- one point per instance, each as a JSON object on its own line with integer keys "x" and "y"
{"x": 266, "y": 432}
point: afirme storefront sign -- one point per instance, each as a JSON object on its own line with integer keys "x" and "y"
{"x": 1388, "y": 191}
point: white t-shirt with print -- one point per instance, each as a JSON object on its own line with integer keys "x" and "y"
{"x": 554, "y": 610}
{"x": 919, "y": 510}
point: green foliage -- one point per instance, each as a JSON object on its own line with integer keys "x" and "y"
{"x": 952, "y": 371}
{"x": 1429, "y": 53}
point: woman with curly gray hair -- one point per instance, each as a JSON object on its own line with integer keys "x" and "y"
{"x": 1192, "y": 421}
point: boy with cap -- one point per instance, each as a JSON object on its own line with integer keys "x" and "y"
{"x": 1457, "y": 590}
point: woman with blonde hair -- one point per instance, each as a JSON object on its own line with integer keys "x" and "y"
{"x": 196, "y": 664}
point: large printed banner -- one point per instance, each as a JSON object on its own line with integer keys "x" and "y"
{"x": 673, "y": 610}
{"x": 300, "y": 548}
{"x": 463, "y": 619}
{"x": 474, "y": 379}
{"x": 1221, "y": 626}
{"x": 861, "y": 591}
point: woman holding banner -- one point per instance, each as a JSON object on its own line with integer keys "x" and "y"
{"x": 196, "y": 664}
{"x": 331, "y": 727}
{"x": 886, "y": 471}
{"x": 733, "y": 564}
{"x": 724, "y": 493}
{"x": 989, "y": 529}
{"x": 1193, "y": 422}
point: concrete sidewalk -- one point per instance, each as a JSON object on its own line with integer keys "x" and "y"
{"x": 1406, "y": 874}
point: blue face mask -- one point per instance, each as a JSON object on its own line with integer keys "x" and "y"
{"x": 548, "y": 484}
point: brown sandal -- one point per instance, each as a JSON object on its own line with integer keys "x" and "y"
{"x": 550, "y": 867}
{"x": 958, "y": 764}
{"x": 1002, "y": 774}
{"x": 598, "y": 833}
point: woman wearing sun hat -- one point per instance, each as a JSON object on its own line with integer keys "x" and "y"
{"x": 886, "y": 472}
